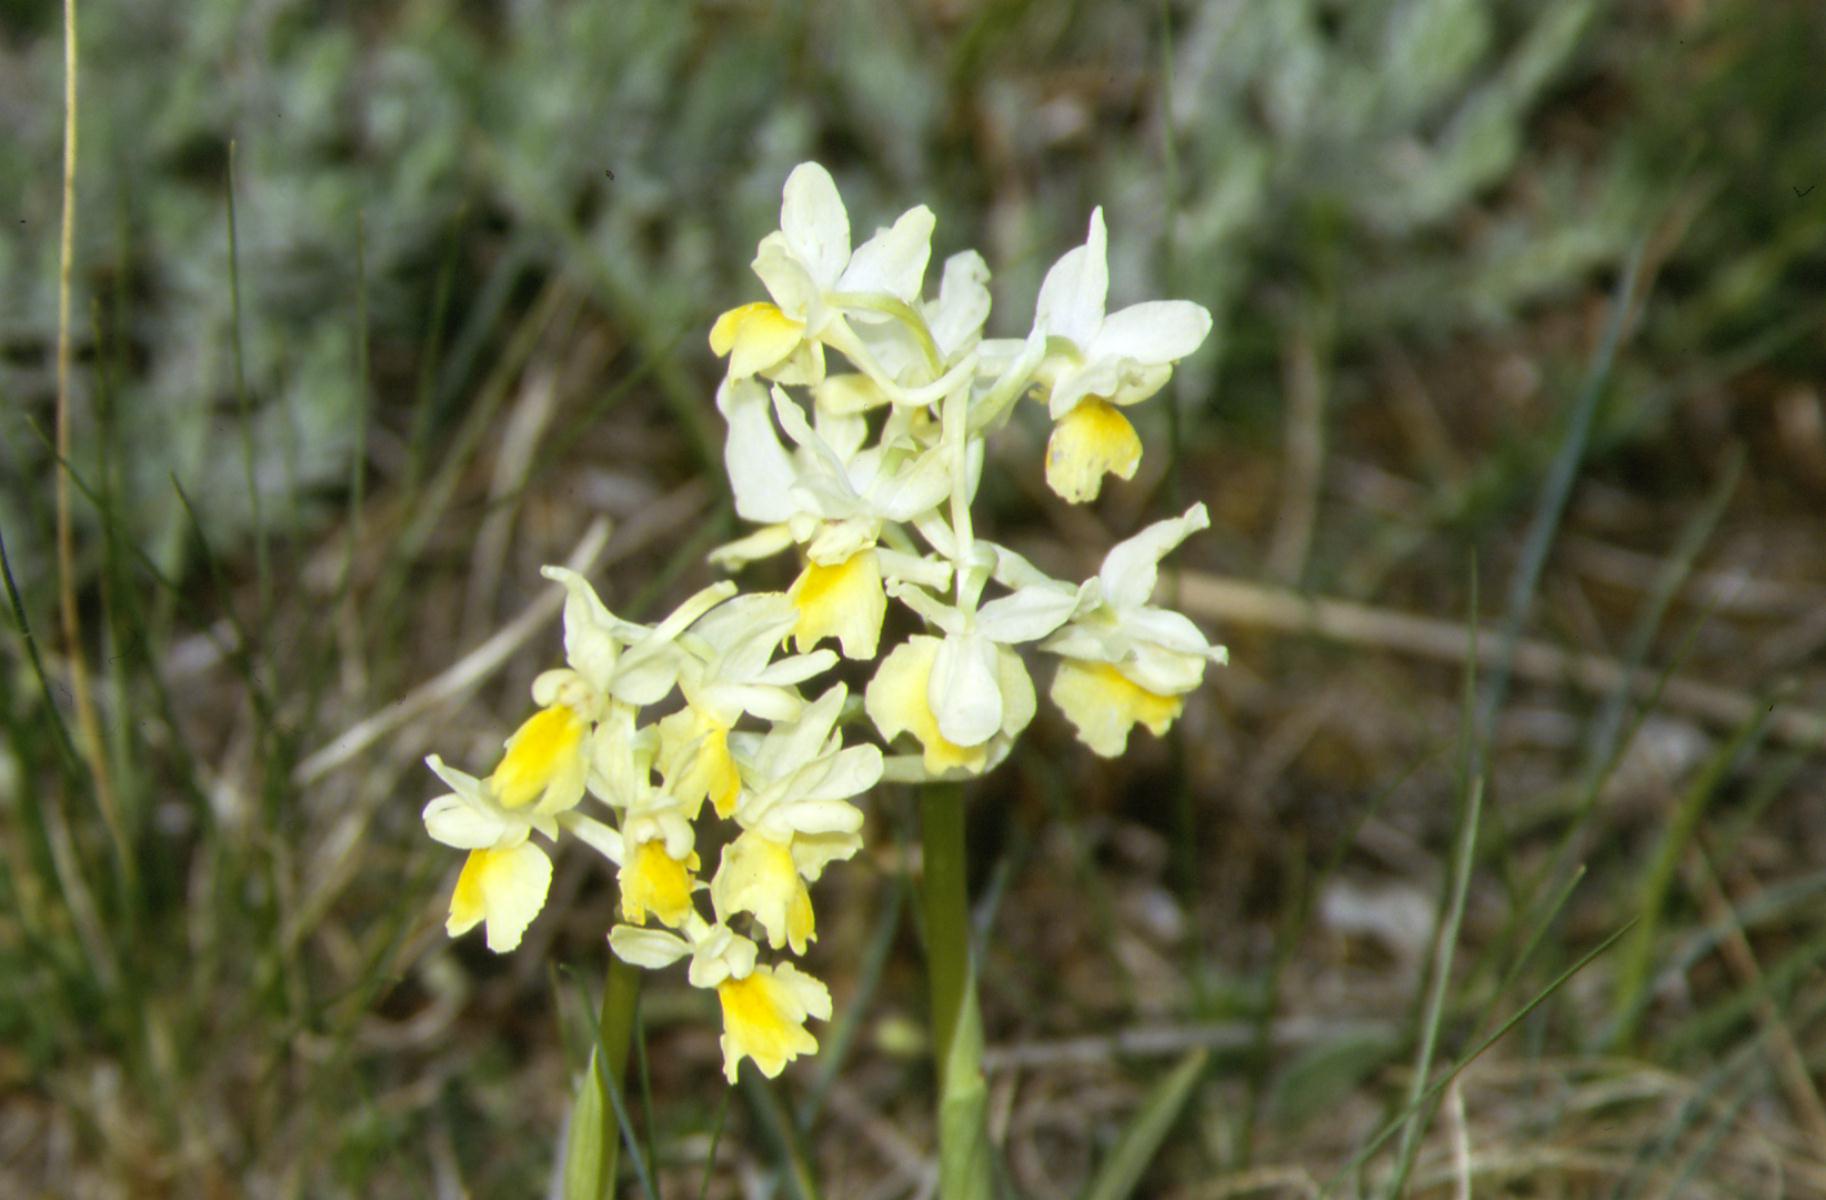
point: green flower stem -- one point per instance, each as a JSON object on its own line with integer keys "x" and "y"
{"x": 619, "y": 996}
{"x": 957, "y": 1036}
{"x": 901, "y": 311}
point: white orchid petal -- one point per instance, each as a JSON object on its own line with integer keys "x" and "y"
{"x": 814, "y": 222}
{"x": 933, "y": 610}
{"x": 796, "y": 669}
{"x": 1166, "y": 629}
{"x": 894, "y": 260}
{"x": 1018, "y": 701}
{"x": 1131, "y": 567}
{"x": 1073, "y": 294}
{"x": 789, "y": 747}
{"x": 956, "y": 320}
{"x": 764, "y": 542}
{"x": 466, "y": 786}
{"x": 915, "y": 489}
{"x": 463, "y": 825}
{"x": 964, "y": 694}
{"x": 653, "y": 949}
{"x": 793, "y": 421}
{"x": 787, "y": 279}
{"x": 761, "y": 473}
{"x": 928, "y": 572}
{"x": 1165, "y": 672}
{"x": 1098, "y": 377}
{"x": 821, "y": 816}
{"x": 849, "y": 772}
{"x": 1026, "y": 616}
{"x": 844, "y": 433}
{"x": 1152, "y": 333}
{"x": 599, "y": 837}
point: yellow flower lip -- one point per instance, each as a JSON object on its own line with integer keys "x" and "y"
{"x": 709, "y": 770}
{"x": 759, "y": 875}
{"x": 653, "y": 881}
{"x": 844, "y": 601}
{"x": 544, "y": 761}
{"x": 1103, "y": 705}
{"x": 755, "y": 337}
{"x": 1094, "y": 439}
{"x": 505, "y": 887}
{"x": 764, "y": 1015}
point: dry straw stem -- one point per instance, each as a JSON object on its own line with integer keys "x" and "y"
{"x": 1612, "y": 1116}
{"x": 86, "y": 721}
{"x": 461, "y": 676}
{"x": 1242, "y": 603}
{"x": 1259, "y": 1182}
{"x": 673, "y": 512}
{"x": 519, "y": 445}
{"x": 1789, "y": 1062}
{"x": 1165, "y": 1040}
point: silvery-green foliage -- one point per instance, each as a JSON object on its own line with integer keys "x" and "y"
{"x": 642, "y": 133}
{"x": 1359, "y": 133}
{"x": 633, "y": 144}
{"x": 309, "y": 108}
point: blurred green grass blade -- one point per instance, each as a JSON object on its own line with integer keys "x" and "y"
{"x": 1399, "y": 1122}
{"x": 1556, "y": 488}
{"x": 263, "y": 571}
{"x": 1674, "y": 571}
{"x": 55, "y": 855}
{"x": 1703, "y": 1031}
{"x": 835, "y": 1048}
{"x": 1543, "y": 925}
{"x": 241, "y": 651}
{"x": 777, "y": 1125}
{"x": 66, "y": 748}
{"x": 1445, "y": 947}
{"x": 424, "y": 404}
{"x": 623, "y": 293}
{"x": 584, "y": 1177}
{"x": 616, "y": 1025}
{"x": 1630, "y": 997}
{"x": 1287, "y": 940}
{"x": 1723, "y": 1118}
{"x": 358, "y": 461}
{"x": 716, "y": 1139}
{"x": 1309, "y": 1086}
{"x": 646, "y": 1080}
{"x": 1141, "y": 1139}
{"x": 426, "y": 505}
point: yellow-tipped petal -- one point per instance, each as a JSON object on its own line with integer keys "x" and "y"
{"x": 506, "y": 888}
{"x": 1091, "y": 441}
{"x": 653, "y": 881}
{"x": 896, "y": 702}
{"x": 764, "y": 1016}
{"x": 1103, "y": 704}
{"x": 760, "y": 876}
{"x": 544, "y": 762}
{"x": 845, "y": 601}
{"x": 756, "y": 337}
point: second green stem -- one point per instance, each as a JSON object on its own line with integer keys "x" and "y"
{"x": 957, "y": 1032}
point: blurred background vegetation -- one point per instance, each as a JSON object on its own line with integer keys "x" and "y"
{"x": 1458, "y": 250}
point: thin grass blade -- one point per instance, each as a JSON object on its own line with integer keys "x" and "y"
{"x": 1141, "y": 1140}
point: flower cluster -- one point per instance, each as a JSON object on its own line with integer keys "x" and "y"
{"x": 881, "y": 459}
{"x": 869, "y": 471}
{"x": 787, "y": 792}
